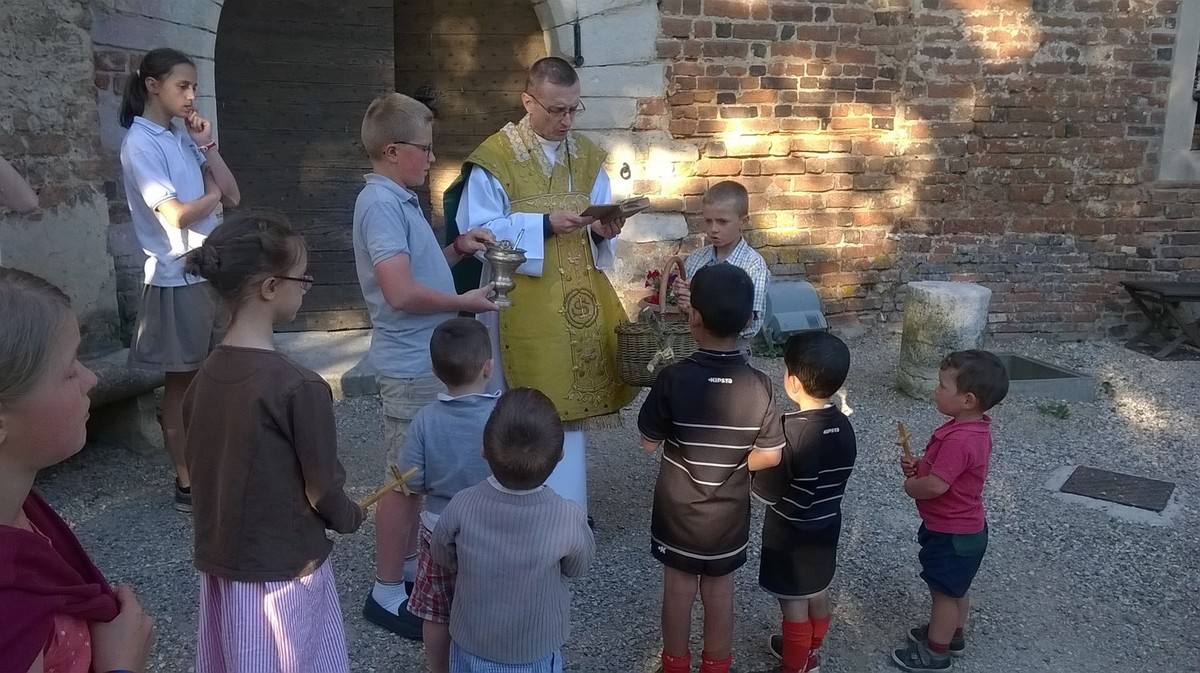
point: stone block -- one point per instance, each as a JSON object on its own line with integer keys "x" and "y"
{"x": 607, "y": 113}
{"x": 627, "y": 35}
{"x": 939, "y": 318}
{"x": 552, "y": 13}
{"x": 131, "y": 423}
{"x": 204, "y": 15}
{"x": 339, "y": 357}
{"x": 117, "y": 381}
{"x": 66, "y": 244}
{"x": 635, "y": 81}
{"x": 590, "y": 7}
{"x": 653, "y": 227}
{"x": 143, "y": 33}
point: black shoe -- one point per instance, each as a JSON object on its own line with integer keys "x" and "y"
{"x": 183, "y": 498}
{"x": 406, "y": 624}
{"x": 775, "y": 644}
{"x": 958, "y": 644}
{"x": 918, "y": 658}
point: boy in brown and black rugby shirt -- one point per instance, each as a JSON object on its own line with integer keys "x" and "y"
{"x": 715, "y": 417}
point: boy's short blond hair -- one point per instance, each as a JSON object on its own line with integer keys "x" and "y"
{"x": 729, "y": 193}
{"x": 390, "y": 118}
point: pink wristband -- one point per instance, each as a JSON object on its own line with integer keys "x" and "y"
{"x": 209, "y": 146}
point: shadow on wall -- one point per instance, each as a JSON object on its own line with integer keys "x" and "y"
{"x": 295, "y": 77}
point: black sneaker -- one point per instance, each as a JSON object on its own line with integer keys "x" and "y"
{"x": 958, "y": 644}
{"x": 918, "y": 658}
{"x": 183, "y": 498}
{"x": 775, "y": 645}
{"x": 406, "y": 624}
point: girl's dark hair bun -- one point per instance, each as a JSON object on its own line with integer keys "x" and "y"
{"x": 243, "y": 251}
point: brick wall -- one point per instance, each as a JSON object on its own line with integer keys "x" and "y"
{"x": 1008, "y": 143}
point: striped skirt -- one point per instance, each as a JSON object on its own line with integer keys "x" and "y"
{"x": 271, "y": 627}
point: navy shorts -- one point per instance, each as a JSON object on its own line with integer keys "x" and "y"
{"x": 949, "y": 561}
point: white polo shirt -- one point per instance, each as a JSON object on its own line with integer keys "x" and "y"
{"x": 159, "y": 164}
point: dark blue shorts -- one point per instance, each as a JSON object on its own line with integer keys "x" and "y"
{"x": 949, "y": 561}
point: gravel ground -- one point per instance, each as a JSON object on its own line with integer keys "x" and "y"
{"x": 1063, "y": 588}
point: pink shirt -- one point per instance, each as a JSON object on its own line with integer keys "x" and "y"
{"x": 69, "y": 649}
{"x": 958, "y": 454}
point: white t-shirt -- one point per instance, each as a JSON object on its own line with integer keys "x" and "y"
{"x": 159, "y": 164}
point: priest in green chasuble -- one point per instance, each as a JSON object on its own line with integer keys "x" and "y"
{"x": 528, "y": 183}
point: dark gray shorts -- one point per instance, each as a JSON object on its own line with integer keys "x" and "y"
{"x": 176, "y": 328}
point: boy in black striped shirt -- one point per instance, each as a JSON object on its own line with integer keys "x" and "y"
{"x": 715, "y": 417}
{"x": 804, "y": 498}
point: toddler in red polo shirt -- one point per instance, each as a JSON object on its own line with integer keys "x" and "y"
{"x": 947, "y": 484}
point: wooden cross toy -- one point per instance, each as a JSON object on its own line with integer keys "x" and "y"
{"x": 904, "y": 437}
{"x": 399, "y": 481}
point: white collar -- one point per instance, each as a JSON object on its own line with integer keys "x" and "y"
{"x": 447, "y": 397}
{"x": 503, "y": 489}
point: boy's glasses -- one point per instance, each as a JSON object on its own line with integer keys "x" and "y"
{"x": 427, "y": 149}
{"x": 559, "y": 111}
{"x": 306, "y": 282}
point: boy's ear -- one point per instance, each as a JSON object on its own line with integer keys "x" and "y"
{"x": 3, "y": 425}
{"x": 971, "y": 400}
{"x": 487, "y": 368}
{"x": 791, "y": 384}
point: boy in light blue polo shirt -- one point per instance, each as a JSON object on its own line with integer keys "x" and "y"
{"x": 405, "y": 279}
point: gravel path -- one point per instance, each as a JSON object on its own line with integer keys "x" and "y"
{"x": 1063, "y": 588}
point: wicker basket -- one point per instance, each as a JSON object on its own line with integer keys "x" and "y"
{"x": 659, "y": 337}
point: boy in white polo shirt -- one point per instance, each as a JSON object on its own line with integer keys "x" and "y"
{"x": 405, "y": 278}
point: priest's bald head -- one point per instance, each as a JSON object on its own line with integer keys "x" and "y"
{"x": 551, "y": 97}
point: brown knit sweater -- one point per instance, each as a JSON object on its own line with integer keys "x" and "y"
{"x": 266, "y": 480}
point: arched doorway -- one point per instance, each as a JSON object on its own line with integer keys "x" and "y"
{"x": 293, "y": 78}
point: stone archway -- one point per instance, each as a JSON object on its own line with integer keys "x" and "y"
{"x": 616, "y": 73}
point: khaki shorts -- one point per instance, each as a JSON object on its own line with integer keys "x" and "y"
{"x": 176, "y": 328}
{"x": 402, "y": 399}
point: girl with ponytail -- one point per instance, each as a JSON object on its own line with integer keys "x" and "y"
{"x": 174, "y": 180}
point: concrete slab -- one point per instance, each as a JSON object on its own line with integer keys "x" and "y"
{"x": 1117, "y": 511}
{"x": 1029, "y": 377}
{"x": 339, "y": 357}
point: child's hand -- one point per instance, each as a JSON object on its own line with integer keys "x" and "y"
{"x": 124, "y": 643}
{"x": 683, "y": 295}
{"x": 908, "y": 466}
{"x": 199, "y": 128}
{"x": 476, "y": 301}
{"x": 475, "y": 240}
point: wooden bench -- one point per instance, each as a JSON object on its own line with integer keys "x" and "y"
{"x": 1162, "y": 303}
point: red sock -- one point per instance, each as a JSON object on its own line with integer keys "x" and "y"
{"x": 672, "y": 664}
{"x": 820, "y": 628}
{"x": 797, "y": 645}
{"x": 939, "y": 648}
{"x": 709, "y": 665}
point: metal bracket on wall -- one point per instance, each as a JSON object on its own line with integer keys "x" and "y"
{"x": 578, "y": 45}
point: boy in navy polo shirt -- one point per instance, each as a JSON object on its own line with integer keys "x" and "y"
{"x": 804, "y": 492}
{"x": 715, "y": 417}
{"x": 947, "y": 483}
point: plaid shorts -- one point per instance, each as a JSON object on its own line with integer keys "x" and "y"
{"x": 433, "y": 589}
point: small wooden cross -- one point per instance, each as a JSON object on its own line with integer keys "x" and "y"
{"x": 904, "y": 437}
{"x": 399, "y": 481}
